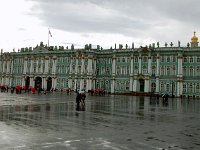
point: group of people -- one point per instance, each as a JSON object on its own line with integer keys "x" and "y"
{"x": 80, "y": 101}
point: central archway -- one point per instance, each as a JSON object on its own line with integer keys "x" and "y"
{"x": 27, "y": 82}
{"x": 49, "y": 83}
{"x": 141, "y": 85}
{"x": 38, "y": 82}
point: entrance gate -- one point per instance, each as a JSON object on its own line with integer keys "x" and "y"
{"x": 49, "y": 83}
{"x": 38, "y": 82}
{"x": 141, "y": 85}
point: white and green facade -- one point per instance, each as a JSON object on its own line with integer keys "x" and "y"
{"x": 168, "y": 69}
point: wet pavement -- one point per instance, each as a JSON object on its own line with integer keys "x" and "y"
{"x": 41, "y": 122}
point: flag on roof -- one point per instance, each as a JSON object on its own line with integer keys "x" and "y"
{"x": 50, "y": 33}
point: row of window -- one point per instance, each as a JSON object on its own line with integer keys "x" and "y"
{"x": 190, "y": 59}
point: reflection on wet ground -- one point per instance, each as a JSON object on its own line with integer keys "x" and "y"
{"x": 109, "y": 123}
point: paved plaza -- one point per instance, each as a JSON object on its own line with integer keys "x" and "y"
{"x": 111, "y": 122}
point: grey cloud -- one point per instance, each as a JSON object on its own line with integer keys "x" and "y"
{"x": 22, "y": 29}
{"x": 127, "y": 17}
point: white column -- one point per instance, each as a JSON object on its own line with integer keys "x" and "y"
{"x": 45, "y": 84}
{"x": 146, "y": 88}
{"x": 131, "y": 84}
{"x": 157, "y": 85}
{"x": 37, "y": 65}
{"x": 89, "y": 84}
{"x": 113, "y": 86}
{"x": 157, "y": 73}
{"x": 180, "y": 64}
{"x": 140, "y": 64}
{"x": 25, "y": 65}
{"x": 82, "y": 65}
{"x": 10, "y": 81}
{"x": 42, "y": 83}
{"x": 4, "y": 65}
{"x": 158, "y": 64}
{"x": 81, "y": 84}
{"x": 46, "y": 65}
{"x": 90, "y": 65}
{"x": 8, "y": 67}
{"x": 54, "y": 66}
{"x": 114, "y": 65}
{"x": 23, "y": 81}
{"x": 131, "y": 75}
{"x": 41, "y": 66}
{"x": 132, "y": 64}
{"x": 180, "y": 88}
{"x": 6, "y": 80}
{"x": 70, "y": 67}
{"x": 1, "y": 66}
{"x": 31, "y": 68}
{"x": 75, "y": 84}
{"x": 149, "y": 65}
{"x": 31, "y": 82}
{"x": 135, "y": 85}
{"x": 69, "y": 83}
{"x": 93, "y": 84}
{"x": 93, "y": 72}
{"x": 76, "y": 67}
{"x": 55, "y": 83}
{"x": 12, "y": 66}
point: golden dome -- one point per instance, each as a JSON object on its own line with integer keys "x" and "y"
{"x": 194, "y": 39}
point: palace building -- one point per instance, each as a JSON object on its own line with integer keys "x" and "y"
{"x": 167, "y": 69}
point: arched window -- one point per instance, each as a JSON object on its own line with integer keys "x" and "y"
{"x": 136, "y": 69}
{"x": 73, "y": 69}
{"x": 185, "y": 59}
{"x": 168, "y": 70}
{"x": 184, "y": 71}
{"x": 162, "y": 70}
{"x": 153, "y": 70}
{"x": 198, "y": 71}
{"x": 79, "y": 69}
{"x": 118, "y": 70}
{"x": 117, "y": 86}
{"x": 127, "y": 85}
{"x": 144, "y": 59}
{"x": 162, "y": 87}
{"x": 191, "y": 71}
{"x": 162, "y": 59}
{"x": 153, "y": 87}
{"x": 168, "y": 59}
{"x": 174, "y": 59}
{"x": 191, "y": 59}
{"x": 173, "y": 70}
{"x": 191, "y": 88}
{"x": 168, "y": 87}
{"x": 144, "y": 69}
{"x": 97, "y": 71}
{"x": 198, "y": 59}
{"x": 197, "y": 88}
{"x": 184, "y": 88}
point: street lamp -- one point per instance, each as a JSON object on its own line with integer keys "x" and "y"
{"x": 172, "y": 89}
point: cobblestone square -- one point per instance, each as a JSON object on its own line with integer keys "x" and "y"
{"x": 31, "y": 121}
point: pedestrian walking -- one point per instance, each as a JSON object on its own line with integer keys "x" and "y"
{"x": 78, "y": 100}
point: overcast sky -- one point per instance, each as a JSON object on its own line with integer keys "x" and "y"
{"x": 25, "y": 23}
